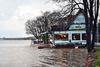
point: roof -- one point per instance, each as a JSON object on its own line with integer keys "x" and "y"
{"x": 70, "y": 18}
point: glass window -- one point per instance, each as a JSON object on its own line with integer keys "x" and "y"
{"x": 61, "y": 36}
{"x": 83, "y": 36}
{"x": 76, "y": 36}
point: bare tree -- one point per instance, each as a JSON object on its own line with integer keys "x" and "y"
{"x": 91, "y": 10}
{"x": 51, "y": 19}
{"x": 31, "y": 28}
{"x": 42, "y": 24}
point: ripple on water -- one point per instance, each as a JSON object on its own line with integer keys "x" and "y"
{"x": 28, "y": 56}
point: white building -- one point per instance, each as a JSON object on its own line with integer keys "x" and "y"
{"x": 74, "y": 31}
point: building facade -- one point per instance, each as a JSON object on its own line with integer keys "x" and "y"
{"x": 72, "y": 30}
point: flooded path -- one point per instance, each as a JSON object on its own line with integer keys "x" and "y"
{"x": 28, "y": 56}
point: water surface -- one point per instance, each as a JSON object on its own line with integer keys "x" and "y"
{"x": 29, "y": 56}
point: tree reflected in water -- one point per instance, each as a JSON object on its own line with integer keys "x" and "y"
{"x": 64, "y": 58}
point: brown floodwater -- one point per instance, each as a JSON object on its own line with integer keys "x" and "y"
{"x": 29, "y": 56}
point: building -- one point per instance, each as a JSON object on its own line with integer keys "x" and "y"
{"x": 71, "y": 30}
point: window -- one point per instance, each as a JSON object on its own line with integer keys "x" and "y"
{"x": 76, "y": 36}
{"x": 61, "y": 36}
{"x": 78, "y": 27}
{"x": 83, "y": 36}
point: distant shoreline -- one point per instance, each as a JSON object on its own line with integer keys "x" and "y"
{"x": 28, "y": 38}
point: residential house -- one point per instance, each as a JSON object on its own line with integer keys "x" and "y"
{"x": 71, "y": 29}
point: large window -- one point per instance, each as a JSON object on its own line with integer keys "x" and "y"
{"x": 76, "y": 36}
{"x": 61, "y": 36}
{"x": 83, "y": 36}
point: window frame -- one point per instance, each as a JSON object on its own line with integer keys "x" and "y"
{"x": 75, "y": 37}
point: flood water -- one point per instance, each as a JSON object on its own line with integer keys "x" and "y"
{"x": 22, "y": 54}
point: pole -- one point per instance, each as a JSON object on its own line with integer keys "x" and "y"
{"x": 97, "y": 33}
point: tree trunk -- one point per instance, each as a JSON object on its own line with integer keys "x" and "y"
{"x": 96, "y": 12}
{"x": 88, "y": 31}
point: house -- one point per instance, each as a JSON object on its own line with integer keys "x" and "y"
{"x": 71, "y": 30}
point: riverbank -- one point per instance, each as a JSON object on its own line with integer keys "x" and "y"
{"x": 97, "y": 58}
{"x": 41, "y": 46}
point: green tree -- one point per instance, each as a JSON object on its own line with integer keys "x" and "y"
{"x": 46, "y": 38}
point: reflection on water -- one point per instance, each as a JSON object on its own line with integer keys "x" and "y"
{"x": 64, "y": 58}
{"x": 27, "y": 56}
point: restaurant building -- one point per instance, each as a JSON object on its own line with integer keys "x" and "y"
{"x": 70, "y": 29}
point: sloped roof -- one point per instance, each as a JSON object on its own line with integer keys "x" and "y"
{"x": 71, "y": 18}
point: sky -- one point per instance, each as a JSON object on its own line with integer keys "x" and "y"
{"x": 15, "y": 13}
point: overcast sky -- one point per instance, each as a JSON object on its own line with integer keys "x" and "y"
{"x": 14, "y": 14}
